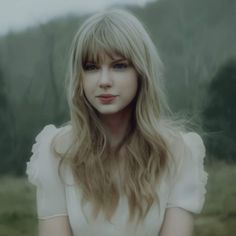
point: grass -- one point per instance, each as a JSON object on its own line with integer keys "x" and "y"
{"x": 218, "y": 218}
{"x": 17, "y": 207}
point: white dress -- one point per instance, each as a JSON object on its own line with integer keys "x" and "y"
{"x": 186, "y": 190}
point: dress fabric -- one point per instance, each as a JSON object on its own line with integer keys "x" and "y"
{"x": 186, "y": 189}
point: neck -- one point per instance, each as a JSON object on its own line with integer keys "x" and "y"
{"x": 116, "y": 125}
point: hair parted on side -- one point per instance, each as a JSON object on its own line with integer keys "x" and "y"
{"x": 147, "y": 150}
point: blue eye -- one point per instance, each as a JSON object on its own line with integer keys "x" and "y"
{"x": 120, "y": 65}
{"x": 89, "y": 67}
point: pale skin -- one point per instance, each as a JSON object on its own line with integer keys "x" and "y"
{"x": 112, "y": 76}
{"x": 116, "y": 76}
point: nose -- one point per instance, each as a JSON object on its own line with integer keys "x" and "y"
{"x": 105, "y": 78}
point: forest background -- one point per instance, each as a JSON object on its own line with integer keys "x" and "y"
{"x": 196, "y": 41}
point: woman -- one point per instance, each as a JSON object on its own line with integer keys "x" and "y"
{"x": 122, "y": 165}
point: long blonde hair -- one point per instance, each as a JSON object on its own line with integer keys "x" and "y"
{"x": 145, "y": 143}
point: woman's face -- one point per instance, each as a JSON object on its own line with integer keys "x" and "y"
{"x": 111, "y": 84}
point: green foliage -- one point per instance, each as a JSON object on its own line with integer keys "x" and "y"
{"x": 220, "y": 113}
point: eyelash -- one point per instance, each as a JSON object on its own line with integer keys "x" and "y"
{"x": 124, "y": 65}
{"x": 87, "y": 67}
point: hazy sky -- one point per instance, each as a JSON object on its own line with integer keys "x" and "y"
{"x": 18, "y": 14}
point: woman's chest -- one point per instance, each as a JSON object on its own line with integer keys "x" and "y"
{"x": 83, "y": 225}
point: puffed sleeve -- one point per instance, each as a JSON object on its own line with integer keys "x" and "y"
{"x": 188, "y": 187}
{"x": 42, "y": 172}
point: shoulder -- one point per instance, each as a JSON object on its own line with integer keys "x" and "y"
{"x": 194, "y": 147}
{"x": 61, "y": 137}
{"x": 181, "y": 142}
{"x": 186, "y": 149}
{"x": 49, "y": 132}
{"x": 194, "y": 141}
{"x": 43, "y": 162}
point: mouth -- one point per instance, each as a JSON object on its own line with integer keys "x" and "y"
{"x": 106, "y": 99}
{"x": 106, "y": 95}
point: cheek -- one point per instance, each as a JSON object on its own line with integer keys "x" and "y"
{"x": 87, "y": 87}
{"x": 132, "y": 84}
{"x": 129, "y": 88}
{"x": 86, "y": 91}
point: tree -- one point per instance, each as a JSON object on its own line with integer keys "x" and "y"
{"x": 220, "y": 113}
{"x": 5, "y": 136}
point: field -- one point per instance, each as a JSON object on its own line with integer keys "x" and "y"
{"x": 218, "y": 218}
{"x": 219, "y": 214}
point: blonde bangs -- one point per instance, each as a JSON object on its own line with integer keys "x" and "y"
{"x": 104, "y": 37}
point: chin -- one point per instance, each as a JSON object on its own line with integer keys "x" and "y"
{"x": 107, "y": 112}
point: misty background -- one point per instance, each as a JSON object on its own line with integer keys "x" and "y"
{"x": 196, "y": 40}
